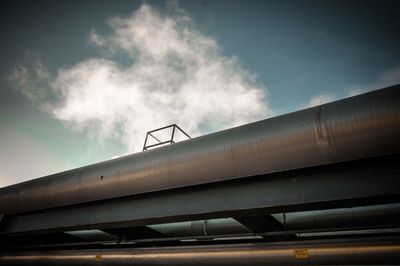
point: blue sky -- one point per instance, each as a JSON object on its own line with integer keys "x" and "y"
{"x": 82, "y": 81}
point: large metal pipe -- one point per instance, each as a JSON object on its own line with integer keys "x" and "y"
{"x": 317, "y": 253}
{"x": 357, "y": 127}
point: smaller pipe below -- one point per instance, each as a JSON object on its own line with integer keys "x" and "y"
{"x": 385, "y": 214}
{"x": 201, "y": 228}
{"x": 376, "y": 215}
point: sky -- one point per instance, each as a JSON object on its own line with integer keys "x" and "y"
{"x": 83, "y": 81}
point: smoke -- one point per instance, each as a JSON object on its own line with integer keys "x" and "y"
{"x": 174, "y": 74}
{"x": 32, "y": 79}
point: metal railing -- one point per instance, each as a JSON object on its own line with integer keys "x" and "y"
{"x": 162, "y": 142}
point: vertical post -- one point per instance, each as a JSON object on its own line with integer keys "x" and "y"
{"x": 145, "y": 141}
{"x": 173, "y": 133}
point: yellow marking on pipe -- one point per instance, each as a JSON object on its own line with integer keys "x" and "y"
{"x": 301, "y": 253}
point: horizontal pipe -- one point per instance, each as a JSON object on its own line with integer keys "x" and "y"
{"x": 376, "y": 215}
{"x": 358, "y": 127}
{"x": 369, "y": 181}
{"x": 311, "y": 253}
{"x": 212, "y": 227}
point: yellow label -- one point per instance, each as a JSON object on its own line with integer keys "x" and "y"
{"x": 301, "y": 253}
{"x": 98, "y": 258}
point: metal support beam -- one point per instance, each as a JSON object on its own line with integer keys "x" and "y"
{"x": 354, "y": 183}
{"x": 259, "y": 224}
{"x": 264, "y": 223}
{"x": 137, "y": 232}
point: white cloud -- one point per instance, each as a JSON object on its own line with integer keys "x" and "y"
{"x": 95, "y": 38}
{"x": 388, "y": 78}
{"x": 176, "y": 75}
{"x": 321, "y": 99}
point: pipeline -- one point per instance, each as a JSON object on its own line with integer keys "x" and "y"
{"x": 358, "y": 127}
{"x": 376, "y": 215}
{"x": 305, "y": 253}
{"x": 212, "y": 227}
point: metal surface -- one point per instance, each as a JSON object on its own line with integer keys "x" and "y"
{"x": 388, "y": 214}
{"x": 377, "y": 215}
{"x": 211, "y": 227}
{"x": 368, "y": 181}
{"x": 357, "y": 127}
{"x": 304, "y": 253}
{"x": 92, "y": 235}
